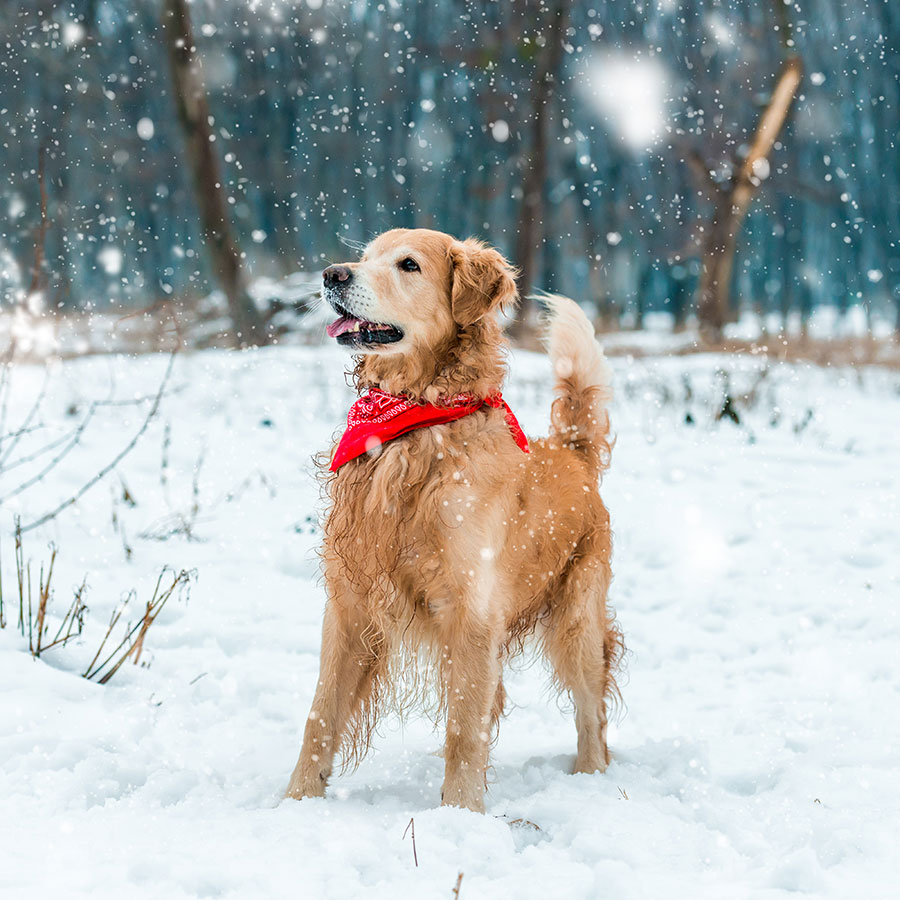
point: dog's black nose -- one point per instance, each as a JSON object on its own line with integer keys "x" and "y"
{"x": 335, "y": 275}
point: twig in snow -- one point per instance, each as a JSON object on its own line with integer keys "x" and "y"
{"x": 55, "y": 461}
{"x": 525, "y": 823}
{"x": 456, "y": 888}
{"x": 133, "y": 643}
{"x": 411, "y": 828}
{"x": 20, "y": 576}
{"x": 180, "y": 522}
{"x": 72, "y": 438}
{"x": 164, "y": 461}
{"x": 117, "y": 524}
{"x": 73, "y": 617}
{"x": 43, "y": 600}
{"x": 4, "y": 389}
{"x": 36, "y": 454}
{"x": 26, "y": 422}
{"x": 117, "y": 614}
{"x": 99, "y": 476}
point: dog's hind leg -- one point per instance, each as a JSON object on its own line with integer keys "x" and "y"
{"x": 584, "y": 645}
{"x": 351, "y": 658}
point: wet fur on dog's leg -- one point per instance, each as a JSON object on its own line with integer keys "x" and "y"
{"x": 584, "y": 645}
{"x": 471, "y": 673}
{"x": 498, "y": 709}
{"x": 351, "y": 660}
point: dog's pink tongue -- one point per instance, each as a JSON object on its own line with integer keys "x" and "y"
{"x": 339, "y": 326}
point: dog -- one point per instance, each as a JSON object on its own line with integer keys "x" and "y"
{"x": 450, "y": 544}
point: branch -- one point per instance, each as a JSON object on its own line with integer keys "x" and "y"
{"x": 770, "y": 125}
{"x": 700, "y": 167}
{"x": 76, "y": 439}
{"x": 22, "y": 429}
{"x": 826, "y": 197}
{"x": 116, "y": 460}
{"x": 4, "y": 388}
{"x": 19, "y": 433}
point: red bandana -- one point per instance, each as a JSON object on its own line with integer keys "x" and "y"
{"x": 380, "y": 417}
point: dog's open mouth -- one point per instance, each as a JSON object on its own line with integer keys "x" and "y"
{"x": 348, "y": 330}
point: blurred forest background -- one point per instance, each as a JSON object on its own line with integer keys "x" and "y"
{"x": 161, "y": 152}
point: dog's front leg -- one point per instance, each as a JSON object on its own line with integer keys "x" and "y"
{"x": 348, "y": 667}
{"x": 471, "y": 670}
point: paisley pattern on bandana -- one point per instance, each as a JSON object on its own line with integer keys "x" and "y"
{"x": 379, "y": 417}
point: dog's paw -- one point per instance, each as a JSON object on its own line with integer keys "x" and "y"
{"x": 590, "y": 764}
{"x": 301, "y": 788}
{"x": 464, "y": 796}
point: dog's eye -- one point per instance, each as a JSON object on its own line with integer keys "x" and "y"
{"x": 408, "y": 265}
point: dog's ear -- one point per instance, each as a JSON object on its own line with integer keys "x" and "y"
{"x": 481, "y": 280}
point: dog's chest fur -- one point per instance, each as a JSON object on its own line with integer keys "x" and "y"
{"x": 458, "y": 511}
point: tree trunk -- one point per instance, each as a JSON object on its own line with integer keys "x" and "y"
{"x": 192, "y": 109}
{"x": 530, "y": 230}
{"x": 39, "y": 273}
{"x": 734, "y": 200}
{"x": 718, "y": 262}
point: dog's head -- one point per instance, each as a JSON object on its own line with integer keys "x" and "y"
{"x": 414, "y": 290}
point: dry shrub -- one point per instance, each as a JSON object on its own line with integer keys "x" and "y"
{"x": 132, "y": 644}
{"x": 34, "y": 609}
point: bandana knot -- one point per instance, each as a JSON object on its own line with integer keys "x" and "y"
{"x": 379, "y": 417}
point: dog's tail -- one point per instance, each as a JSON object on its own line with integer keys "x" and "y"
{"x": 583, "y": 381}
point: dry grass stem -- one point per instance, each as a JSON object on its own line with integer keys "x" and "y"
{"x": 36, "y": 620}
{"x": 2, "y": 611}
{"x": 74, "y": 618}
{"x": 131, "y": 645}
{"x": 34, "y": 611}
{"x": 20, "y": 576}
{"x": 43, "y": 600}
{"x": 411, "y": 828}
{"x": 117, "y": 614}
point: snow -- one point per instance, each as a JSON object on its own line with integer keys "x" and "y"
{"x": 145, "y": 129}
{"x": 630, "y": 92}
{"x": 756, "y": 580}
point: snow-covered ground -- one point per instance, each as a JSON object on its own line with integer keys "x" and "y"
{"x": 757, "y": 579}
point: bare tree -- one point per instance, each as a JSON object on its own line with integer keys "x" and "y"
{"x": 192, "y": 108}
{"x": 733, "y": 198}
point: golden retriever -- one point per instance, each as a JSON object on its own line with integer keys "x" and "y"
{"x": 447, "y": 547}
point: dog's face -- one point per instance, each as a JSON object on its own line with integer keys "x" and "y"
{"x": 413, "y": 289}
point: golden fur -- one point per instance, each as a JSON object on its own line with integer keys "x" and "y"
{"x": 448, "y": 548}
